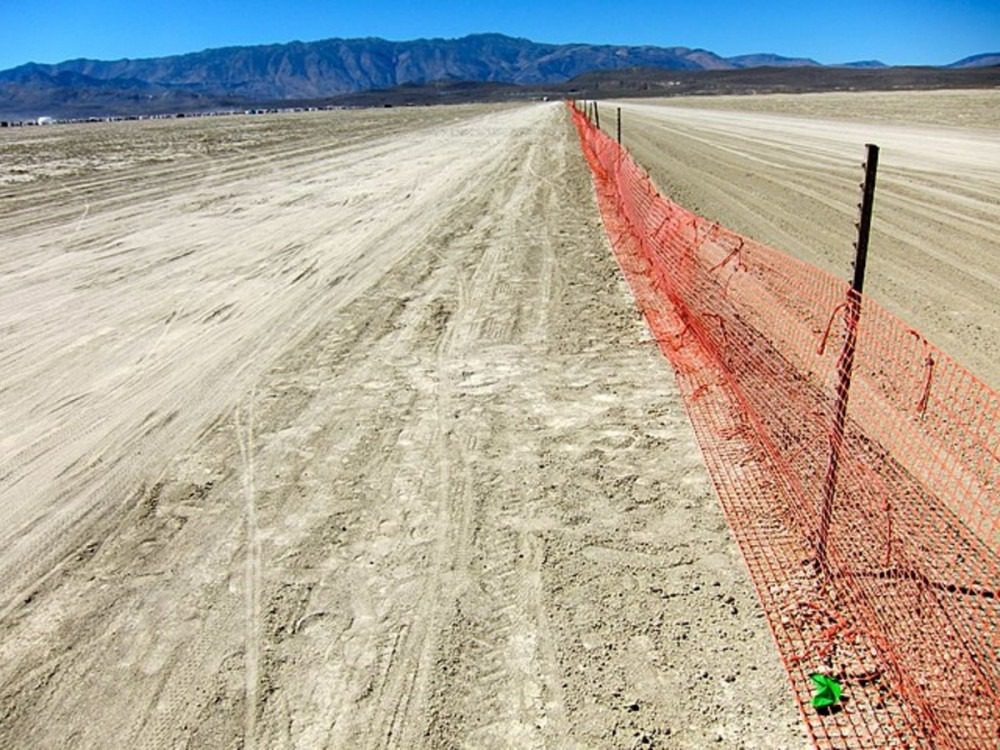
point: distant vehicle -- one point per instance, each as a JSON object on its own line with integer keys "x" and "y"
{"x": 45, "y": 121}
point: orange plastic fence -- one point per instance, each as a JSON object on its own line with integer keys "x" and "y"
{"x": 897, "y": 598}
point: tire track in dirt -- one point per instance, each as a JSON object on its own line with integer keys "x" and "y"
{"x": 67, "y": 448}
{"x": 246, "y": 147}
{"x": 478, "y": 508}
{"x": 791, "y": 182}
{"x": 494, "y": 654}
{"x": 252, "y": 574}
{"x": 69, "y": 519}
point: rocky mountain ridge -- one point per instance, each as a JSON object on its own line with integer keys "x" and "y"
{"x": 337, "y": 67}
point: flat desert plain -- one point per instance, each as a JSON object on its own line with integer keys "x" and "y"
{"x": 785, "y": 169}
{"x": 340, "y": 430}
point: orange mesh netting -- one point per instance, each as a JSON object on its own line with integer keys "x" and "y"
{"x": 892, "y": 587}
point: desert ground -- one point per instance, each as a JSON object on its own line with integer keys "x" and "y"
{"x": 340, "y": 430}
{"x": 785, "y": 169}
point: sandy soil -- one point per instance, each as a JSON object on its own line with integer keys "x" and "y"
{"x": 766, "y": 169}
{"x": 975, "y": 108}
{"x": 341, "y": 431}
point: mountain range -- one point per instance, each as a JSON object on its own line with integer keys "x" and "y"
{"x": 332, "y": 67}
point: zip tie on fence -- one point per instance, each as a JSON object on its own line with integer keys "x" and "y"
{"x": 656, "y": 232}
{"x": 925, "y": 393}
{"x": 925, "y": 397}
{"x": 821, "y": 349}
{"x": 887, "y": 509}
{"x": 695, "y": 226}
{"x": 710, "y": 234}
{"x": 737, "y": 253}
{"x": 722, "y": 326}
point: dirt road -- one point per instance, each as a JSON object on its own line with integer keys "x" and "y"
{"x": 339, "y": 433}
{"x": 785, "y": 170}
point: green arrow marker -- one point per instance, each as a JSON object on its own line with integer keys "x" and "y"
{"x": 827, "y": 690}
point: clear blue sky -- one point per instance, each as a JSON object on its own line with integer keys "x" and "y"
{"x": 931, "y": 32}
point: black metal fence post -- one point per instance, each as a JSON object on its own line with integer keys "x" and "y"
{"x": 845, "y": 363}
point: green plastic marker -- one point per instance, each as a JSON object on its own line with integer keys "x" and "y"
{"x": 827, "y": 690}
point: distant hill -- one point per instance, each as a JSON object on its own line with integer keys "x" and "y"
{"x": 866, "y": 64}
{"x": 773, "y": 61}
{"x": 338, "y": 66}
{"x": 648, "y": 82}
{"x": 237, "y": 76}
{"x": 792, "y": 80}
{"x": 766, "y": 60}
{"x": 978, "y": 61}
{"x": 31, "y": 91}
